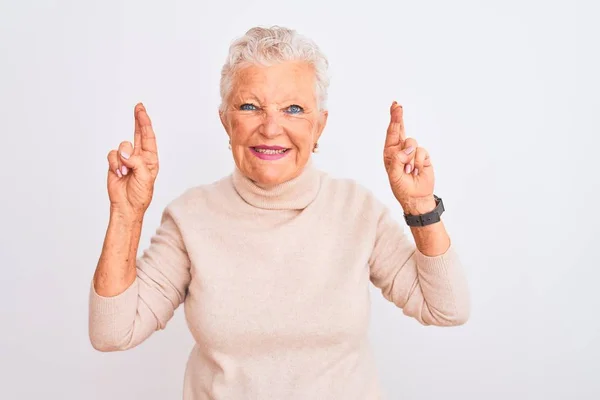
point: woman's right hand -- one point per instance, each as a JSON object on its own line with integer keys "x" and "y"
{"x": 133, "y": 169}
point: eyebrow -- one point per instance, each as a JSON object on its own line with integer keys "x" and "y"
{"x": 245, "y": 95}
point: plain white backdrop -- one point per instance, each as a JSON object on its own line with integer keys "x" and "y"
{"x": 504, "y": 95}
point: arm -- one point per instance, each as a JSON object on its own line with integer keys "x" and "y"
{"x": 431, "y": 289}
{"x": 130, "y": 299}
{"x": 426, "y": 280}
{"x": 115, "y": 271}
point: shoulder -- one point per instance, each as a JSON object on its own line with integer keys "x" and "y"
{"x": 197, "y": 198}
{"x": 350, "y": 194}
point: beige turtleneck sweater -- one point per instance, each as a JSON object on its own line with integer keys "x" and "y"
{"x": 275, "y": 285}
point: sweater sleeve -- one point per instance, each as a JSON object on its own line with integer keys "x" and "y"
{"x": 163, "y": 275}
{"x": 433, "y": 290}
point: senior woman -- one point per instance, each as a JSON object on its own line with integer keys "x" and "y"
{"x": 274, "y": 261}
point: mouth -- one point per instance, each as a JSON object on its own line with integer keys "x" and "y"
{"x": 270, "y": 149}
{"x": 269, "y": 152}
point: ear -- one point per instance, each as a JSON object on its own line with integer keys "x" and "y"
{"x": 321, "y": 123}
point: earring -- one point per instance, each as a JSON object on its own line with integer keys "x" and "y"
{"x": 229, "y": 144}
{"x": 316, "y": 148}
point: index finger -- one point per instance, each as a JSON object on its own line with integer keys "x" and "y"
{"x": 147, "y": 139}
{"x": 395, "y": 131}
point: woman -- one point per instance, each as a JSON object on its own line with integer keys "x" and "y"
{"x": 273, "y": 262}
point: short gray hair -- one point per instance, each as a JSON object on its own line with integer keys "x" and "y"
{"x": 268, "y": 46}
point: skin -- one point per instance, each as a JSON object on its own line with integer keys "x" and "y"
{"x": 412, "y": 179}
{"x": 132, "y": 171}
{"x": 274, "y": 106}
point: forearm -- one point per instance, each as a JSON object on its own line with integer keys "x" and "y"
{"x": 116, "y": 269}
{"x": 431, "y": 240}
{"x": 429, "y": 284}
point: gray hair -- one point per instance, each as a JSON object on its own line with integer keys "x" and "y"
{"x": 268, "y": 46}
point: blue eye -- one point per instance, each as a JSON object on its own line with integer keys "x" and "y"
{"x": 247, "y": 107}
{"x": 295, "y": 109}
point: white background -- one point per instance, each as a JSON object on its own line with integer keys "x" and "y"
{"x": 504, "y": 95}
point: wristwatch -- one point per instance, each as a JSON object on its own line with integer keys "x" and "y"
{"x": 429, "y": 218}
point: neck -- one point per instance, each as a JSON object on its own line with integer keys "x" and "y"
{"x": 295, "y": 194}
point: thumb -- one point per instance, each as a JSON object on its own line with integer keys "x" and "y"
{"x": 131, "y": 161}
{"x": 396, "y": 159}
{"x": 398, "y": 156}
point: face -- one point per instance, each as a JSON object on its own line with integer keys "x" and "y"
{"x": 273, "y": 121}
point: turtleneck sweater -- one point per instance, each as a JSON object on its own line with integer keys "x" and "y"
{"x": 275, "y": 284}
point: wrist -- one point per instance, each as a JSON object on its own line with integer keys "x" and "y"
{"x": 125, "y": 215}
{"x": 418, "y": 206}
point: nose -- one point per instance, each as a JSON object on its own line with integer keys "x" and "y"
{"x": 271, "y": 126}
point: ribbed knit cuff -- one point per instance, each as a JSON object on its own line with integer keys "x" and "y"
{"x": 114, "y": 305}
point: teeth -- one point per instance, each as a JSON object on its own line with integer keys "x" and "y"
{"x": 268, "y": 151}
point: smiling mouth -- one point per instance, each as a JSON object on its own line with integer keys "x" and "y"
{"x": 269, "y": 151}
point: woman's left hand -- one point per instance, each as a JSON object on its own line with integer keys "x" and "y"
{"x": 408, "y": 167}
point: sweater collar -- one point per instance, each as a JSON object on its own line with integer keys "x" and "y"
{"x": 295, "y": 194}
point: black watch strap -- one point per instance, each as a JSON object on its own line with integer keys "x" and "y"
{"x": 428, "y": 218}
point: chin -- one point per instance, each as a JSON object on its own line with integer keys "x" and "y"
{"x": 269, "y": 175}
{"x": 269, "y": 172}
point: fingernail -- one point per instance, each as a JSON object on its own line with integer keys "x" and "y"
{"x": 125, "y": 155}
{"x": 416, "y": 171}
{"x": 407, "y": 168}
{"x": 118, "y": 172}
{"x": 124, "y": 170}
{"x": 409, "y": 149}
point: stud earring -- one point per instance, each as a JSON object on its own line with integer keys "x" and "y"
{"x": 229, "y": 145}
{"x": 316, "y": 148}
